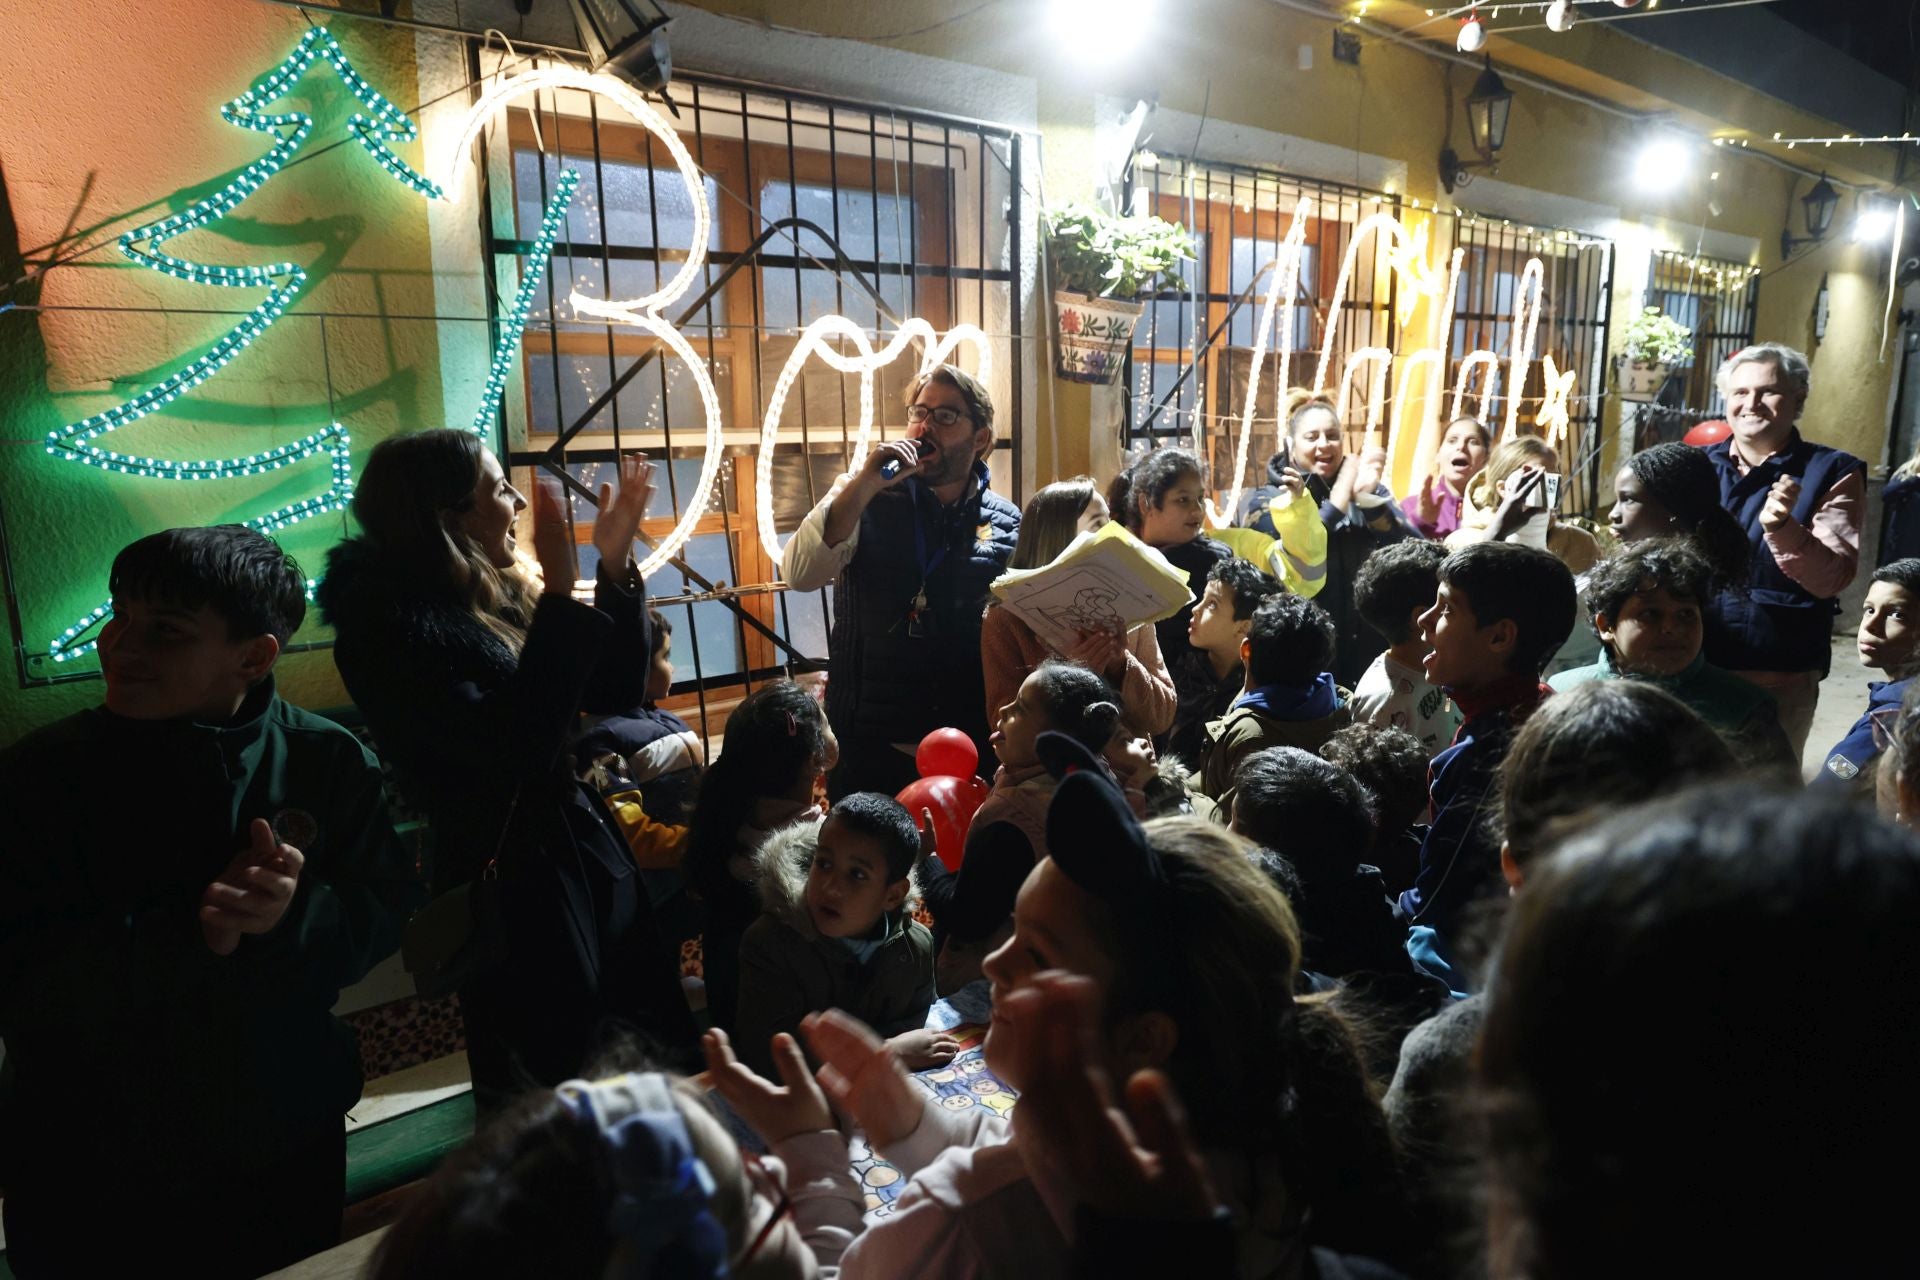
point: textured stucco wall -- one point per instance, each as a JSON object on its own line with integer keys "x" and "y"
{"x": 112, "y": 112}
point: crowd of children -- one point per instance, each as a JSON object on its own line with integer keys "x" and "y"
{"x": 1380, "y": 913}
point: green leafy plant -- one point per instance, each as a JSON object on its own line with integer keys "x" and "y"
{"x": 1097, "y": 253}
{"x": 1654, "y": 337}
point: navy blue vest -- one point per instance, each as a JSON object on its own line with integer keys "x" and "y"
{"x": 1775, "y": 624}
{"x": 889, "y": 684}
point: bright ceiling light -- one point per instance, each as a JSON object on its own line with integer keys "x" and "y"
{"x": 1099, "y": 32}
{"x": 1662, "y": 164}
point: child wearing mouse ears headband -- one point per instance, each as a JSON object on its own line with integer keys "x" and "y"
{"x": 1192, "y": 956}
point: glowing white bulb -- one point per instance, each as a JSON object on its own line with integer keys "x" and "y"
{"x": 1661, "y": 165}
{"x": 1873, "y": 224}
{"x": 1099, "y": 31}
{"x": 1472, "y": 35}
{"x": 1560, "y": 15}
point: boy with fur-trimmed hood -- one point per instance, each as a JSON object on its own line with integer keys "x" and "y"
{"x": 835, "y": 933}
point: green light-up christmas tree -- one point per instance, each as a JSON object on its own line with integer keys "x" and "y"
{"x": 380, "y": 125}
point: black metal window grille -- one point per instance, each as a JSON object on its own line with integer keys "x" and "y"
{"x": 1714, "y": 298}
{"x": 818, "y": 206}
{"x": 1240, "y": 217}
{"x": 1577, "y": 282}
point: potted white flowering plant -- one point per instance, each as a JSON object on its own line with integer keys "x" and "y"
{"x": 1101, "y": 263}
{"x": 1653, "y": 343}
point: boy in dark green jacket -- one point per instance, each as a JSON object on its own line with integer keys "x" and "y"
{"x": 189, "y": 874}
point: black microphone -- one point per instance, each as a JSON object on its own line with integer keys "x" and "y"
{"x": 922, "y": 446}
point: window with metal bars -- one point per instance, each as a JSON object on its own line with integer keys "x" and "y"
{"x": 1714, "y": 298}
{"x": 1240, "y": 216}
{"x": 1576, "y": 293}
{"x": 1193, "y": 348}
{"x": 819, "y": 206}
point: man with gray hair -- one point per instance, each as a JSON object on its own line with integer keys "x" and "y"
{"x": 1801, "y": 504}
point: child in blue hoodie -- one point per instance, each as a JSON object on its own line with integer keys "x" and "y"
{"x": 1289, "y": 699}
{"x": 1890, "y": 641}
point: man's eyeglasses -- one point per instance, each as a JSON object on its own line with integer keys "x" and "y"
{"x": 774, "y": 1191}
{"x": 944, "y": 416}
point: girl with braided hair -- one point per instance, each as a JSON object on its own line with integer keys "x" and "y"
{"x": 1673, "y": 489}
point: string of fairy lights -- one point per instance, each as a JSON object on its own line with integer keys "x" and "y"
{"x": 514, "y": 322}
{"x": 1894, "y": 139}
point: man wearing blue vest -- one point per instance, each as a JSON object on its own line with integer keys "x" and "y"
{"x": 1801, "y": 505}
{"x": 911, "y": 542}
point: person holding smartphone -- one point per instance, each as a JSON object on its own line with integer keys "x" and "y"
{"x": 910, "y": 542}
{"x": 1516, "y": 500}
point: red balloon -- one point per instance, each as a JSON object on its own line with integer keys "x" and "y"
{"x": 946, "y": 753}
{"x": 952, "y": 801}
{"x": 1706, "y": 433}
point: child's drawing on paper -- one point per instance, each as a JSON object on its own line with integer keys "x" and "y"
{"x": 1090, "y": 609}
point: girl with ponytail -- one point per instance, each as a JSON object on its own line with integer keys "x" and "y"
{"x": 1161, "y": 499}
{"x": 972, "y": 907}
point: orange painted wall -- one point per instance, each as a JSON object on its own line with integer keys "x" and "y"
{"x": 112, "y": 114}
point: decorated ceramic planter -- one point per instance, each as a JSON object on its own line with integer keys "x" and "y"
{"x": 1091, "y": 336}
{"x": 1640, "y": 382}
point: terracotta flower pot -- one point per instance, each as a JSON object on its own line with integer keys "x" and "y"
{"x": 1091, "y": 336}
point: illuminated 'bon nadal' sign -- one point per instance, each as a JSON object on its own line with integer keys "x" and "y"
{"x": 828, "y": 338}
{"x": 1406, "y": 254}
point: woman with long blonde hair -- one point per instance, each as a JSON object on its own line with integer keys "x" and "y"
{"x": 1498, "y": 506}
{"x": 471, "y": 676}
{"x": 1357, "y": 511}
